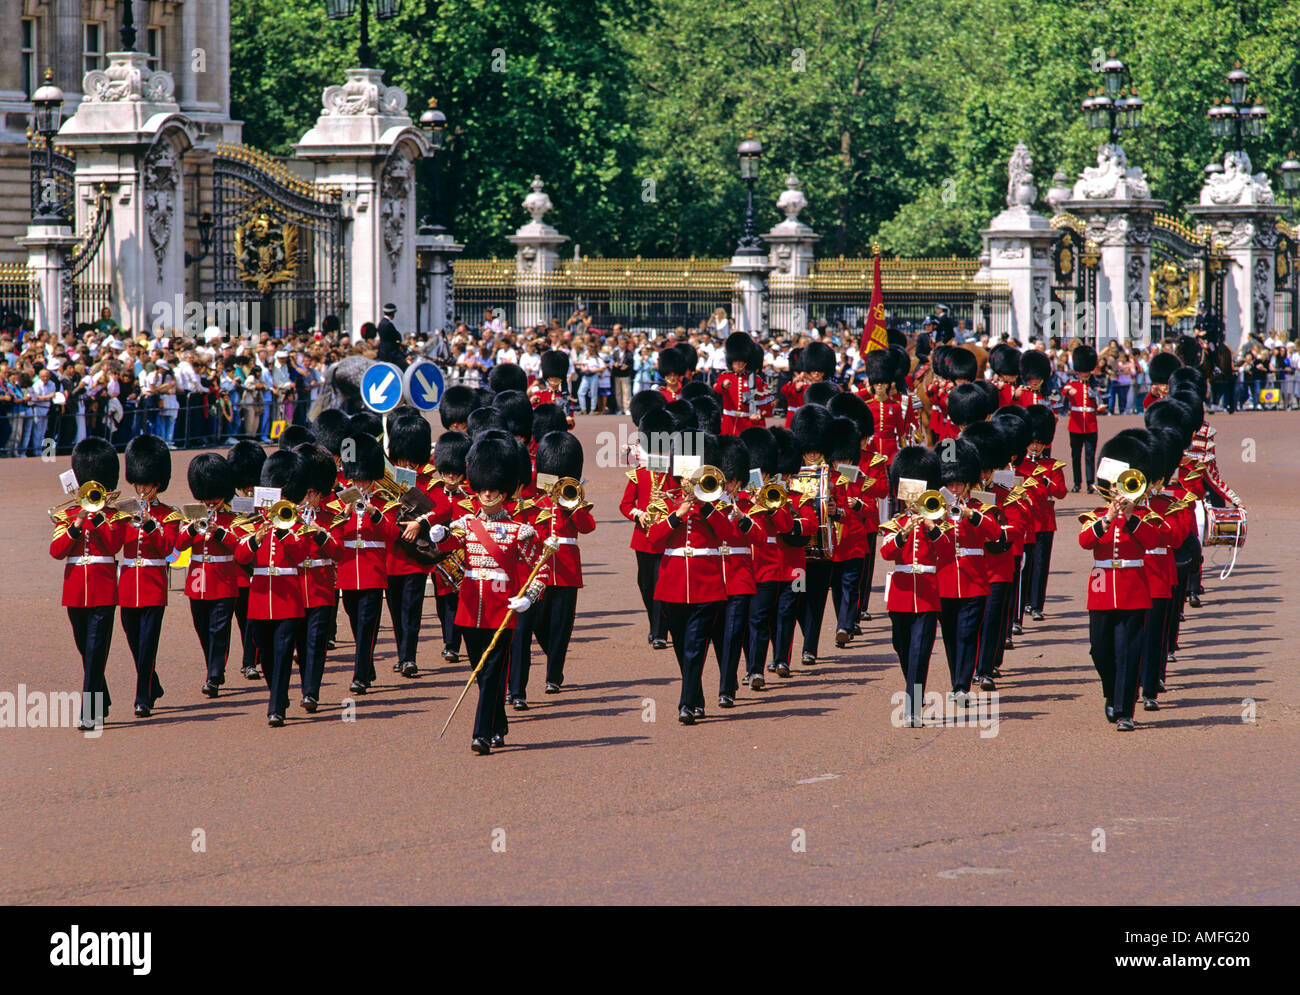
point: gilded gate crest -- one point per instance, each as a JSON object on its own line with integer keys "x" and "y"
{"x": 264, "y": 254}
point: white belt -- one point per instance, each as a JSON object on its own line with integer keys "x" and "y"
{"x": 563, "y": 540}
{"x": 205, "y": 558}
{"x": 736, "y": 550}
{"x": 1158, "y": 551}
{"x": 1074, "y": 408}
{"x": 772, "y": 540}
{"x": 691, "y": 551}
{"x": 140, "y": 561}
{"x": 84, "y": 561}
{"x": 317, "y": 564}
{"x": 969, "y": 551}
{"x": 275, "y": 571}
{"x": 739, "y": 414}
{"x": 1119, "y": 564}
{"x": 914, "y": 568}
{"x": 480, "y": 573}
{"x": 365, "y": 544}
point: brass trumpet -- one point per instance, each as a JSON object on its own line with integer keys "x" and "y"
{"x": 92, "y": 496}
{"x": 708, "y": 484}
{"x": 568, "y": 493}
{"x": 931, "y": 506}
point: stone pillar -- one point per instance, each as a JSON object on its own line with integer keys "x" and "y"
{"x": 1017, "y": 249}
{"x": 1238, "y": 208}
{"x": 790, "y": 258}
{"x": 365, "y": 144}
{"x": 749, "y": 311}
{"x": 436, "y": 252}
{"x": 537, "y": 254}
{"x": 48, "y": 250}
{"x": 128, "y": 137}
{"x": 1115, "y": 205}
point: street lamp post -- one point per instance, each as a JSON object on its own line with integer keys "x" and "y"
{"x": 338, "y": 10}
{"x": 47, "y": 103}
{"x": 1237, "y": 118}
{"x": 127, "y": 32}
{"x": 433, "y": 123}
{"x": 750, "y": 152}
{"x": 1291, "y": 183}
{"x": 1110, "y": 108}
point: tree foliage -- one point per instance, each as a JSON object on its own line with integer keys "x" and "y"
{"x": 897, "y": 116}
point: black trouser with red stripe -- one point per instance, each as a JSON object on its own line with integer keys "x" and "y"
{"x": 993, "y": 640}
{"x": 913, "y": 639}
{"x": 519, "y": 640}
{"x": 249, "y": 644}
{"x": 490, "y": 715}
{"x": 212, "y": 618}
{"x": 275, "y": 638}
{"x": 647, "y": 576}
{"x": 1040, "y": 564}
{"x": 846, "y": 581}
{"x": 143, "y": 626}
{"x": 817, "y": 586}
{"x": 960, "y": 620}
{"x": 868, "y": 574}
{"x": 405, "y": 608}
{"x": 691, "y": 625}
{"x": 1155, "y": 646}
{"x": 363, "y": 614}
{"x": 447, "y": 605}
{"x": 1083, "y": 443}
{"x": 1116, "y": 637}
{"x": 92, "y": 630}
{"x": 730, "y": 637}
{"x": 312, "y": 643}
{"x": 559, "y": 608}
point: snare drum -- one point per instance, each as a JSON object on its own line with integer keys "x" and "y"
{"x": 1225, "y": 526}
{"x": 451, "y": 569}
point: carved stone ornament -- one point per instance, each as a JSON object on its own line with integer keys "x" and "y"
{"x": 1111, "y": 178}
{"x": 394, "y": 192}
{"x": 783, "y": 255}
{"x": 161, "y": 178}
{"x": 1136, "y": 273}
{"x": 1021, "y": 191}
{"x": 1011, "y": 249}
{"x": 128, "y": 77}
{"x": 792, "y": 200}
{"x": 1263, "y": 293}
{"x": 1059, "y": 192}
{"x": 1240, "y": 236}
{"x": 364, "y": 93}
{"x": 1174, "y": 292}
{"x": 537, "y": 203}
{"x": 1236, "y": 184}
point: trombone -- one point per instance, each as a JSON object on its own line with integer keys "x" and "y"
{"x": 771, "y": 496}
{"x": 930, "y": 505}
{"x": 92, "y": 496}
{"x": 1131, "y": 485}
{"x": 568, "y": 493}
{"x": 707, "y": 484}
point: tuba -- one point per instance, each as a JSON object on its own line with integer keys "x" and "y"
{"x": 708, "y": 484}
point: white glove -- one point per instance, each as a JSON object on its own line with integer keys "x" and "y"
{"x": 519, "y": 604}
{"x": 437, "y": 533}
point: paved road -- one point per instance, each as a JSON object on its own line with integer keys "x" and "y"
{"x": 805, "y": 793}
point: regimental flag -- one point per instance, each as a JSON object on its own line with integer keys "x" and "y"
{"x": 873, "y": 331}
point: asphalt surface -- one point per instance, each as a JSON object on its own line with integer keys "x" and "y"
{"x": 804, "y": 793}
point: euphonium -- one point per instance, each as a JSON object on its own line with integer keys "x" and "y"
{"x": 931, "y": 506}
{"x": 1131, "y": 485}
{"x": 708, "y": 484}
{"x": 568, "y": 493}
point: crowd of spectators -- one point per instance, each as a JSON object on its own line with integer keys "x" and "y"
{"x": 210, "y": 388}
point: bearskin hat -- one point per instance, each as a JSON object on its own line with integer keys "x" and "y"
{"x": 962, "y": 364}
{"x": 482, "y": 419}
{"x": 493, "y": 465}
{"x": 1083, "y": 359}
{"x": 410, "y": 438}
{"x": 331, "y": 428}
{"x": 915, "y": 463}
{"x": 968, "y": 403}
{"x": 845, "y": 441}
{"x": 818, "y": 357}
{"x": 991, "y": 394}
{"x": 656, "y": 429}
{"x": 939, "y": 361}
{"x": 319, "y": 467}
{"x": 789, "y": 458}
{"x": 1131, "y": 446}
{"x": 1171, "y": 414}
{"x": 1188, "y": 377}
{"x": 697, "y": 388}
{"x": 1189, "y": 350}
{"x": 755, "y": 357}
{"x": 643, "y": 401}
{"x": 549, "y": 418}
{"x": 761, "y": 446}
{"x": 1015, "y": 423}
{"x": 821, "y": 392}
{"x": 1005, "y": 360}
{"x": 367, "y": 461}
{"x": 1042, "y": 423}
{"x": 990, "y": 439}
{"x": 294, "y": 436}
{"x": 560, "y": 453}
{"x": 450, "y": 452}
{"x": 960, "y": 464}
{"x": 1162, "y": 366}
{"x": 507, "y": 376}
{"x": 1195, "y": 405}
{"x": 708, "y": 412}
{"x": 1034, "y": 365}
{"x": 366, "y": 423}
{"x": 555, "y": 365}
{"x": 671, "y": 362}
{"x": 456, "y": 404}
{"x": 732, "y": 458}
{"x": 896, "y": 337}
{"x": 878, "y": 366}
{"x": 901, "y": 362}
{"x": 517, "y": 411}
{"x": 683, "y": 414}
{"x": 246, "y": 459}
{"x": 740, "y": 349}
{"x": 811, "y": 426}
{"x": 287, "y": 470}
{"x": 1166, "y": 452}
{"x": 148, "y": 461}
{"x": 210, "y": 478}
{"x": 96, "y": 459}
{"x": 689, "y": 354}
{"x": 847, "y": 405}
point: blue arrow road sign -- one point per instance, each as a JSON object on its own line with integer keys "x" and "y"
{"x": 424, "y": 385}
{"x": 381, "y": 387}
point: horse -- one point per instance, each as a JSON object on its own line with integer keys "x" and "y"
{"x": 981, "y": 359}
{"x": 342, "y": 387}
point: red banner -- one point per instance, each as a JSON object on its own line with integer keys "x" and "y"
{"x": 873, "y": 331}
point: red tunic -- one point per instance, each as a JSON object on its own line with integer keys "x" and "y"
{"x": 364, "y": 545}
{"x": 965, "y": 575}
{"x": 914, "y": 582}
{"x": 213, "y": 573}
{"x": 564, "y": 527}
{"x": 1083, "y": 406}
{"x": 495, "y": 570}
{"x": 887, "y": 416}
{"x": 793, "y": 394}
{"x": 769, "y": 556}
{"x": 276, "y": 590}
{"x": 90, "y": 573}
{"x": 691, "y": 571}
{"x": 1051, "y": 474}
{"x": 746, "y": 402}
{"x": 319, "y": 569}
{"x": 641, "y": 484}
{"x": 738, "y": 553}
{"x": 142, "y": 582}
{"x": 1119, "y": 557}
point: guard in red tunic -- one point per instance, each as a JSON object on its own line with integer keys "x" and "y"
{"x": 1159, "y": 370}
{"x": 142, "y": 583}
{"x": 886, "y": 413}
{"x": 1082, "y": 426}
{"x": 554, "y": 385}
{"x": 848, "y": 520}
{"x": 1004, "y": 361}
{"x": 275, "y": 599}
{"x": 1035, "y": 377}
{"x": 647, "y": 497}
{"x": 731, "y": 636}
{"x": 319, "y": 509}
{"x": 963, "y": 367}
{"x": 365, "y": 532}
{"x": 746, "y": 400}
{"x": 918, "y": 548}
{"x": 500, "y": 554}
{"x": 410, "y": 443}
{"x": 671, "y": 364}
{"x": 1119, "y": 536}
{"x": 456, "y": 404}
{"x": 994, "y": 448}
{"x": 816, "y": 364}
{"x": 89, "y": 542}
{"x": 872, "y": 486}
{"x": 246, "y": 459}
{"x": 1032, "y": 507}
{"x": 446, "y": 492}
{"x": 1051, "y": 475}
{"x": 212, "y": 582}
